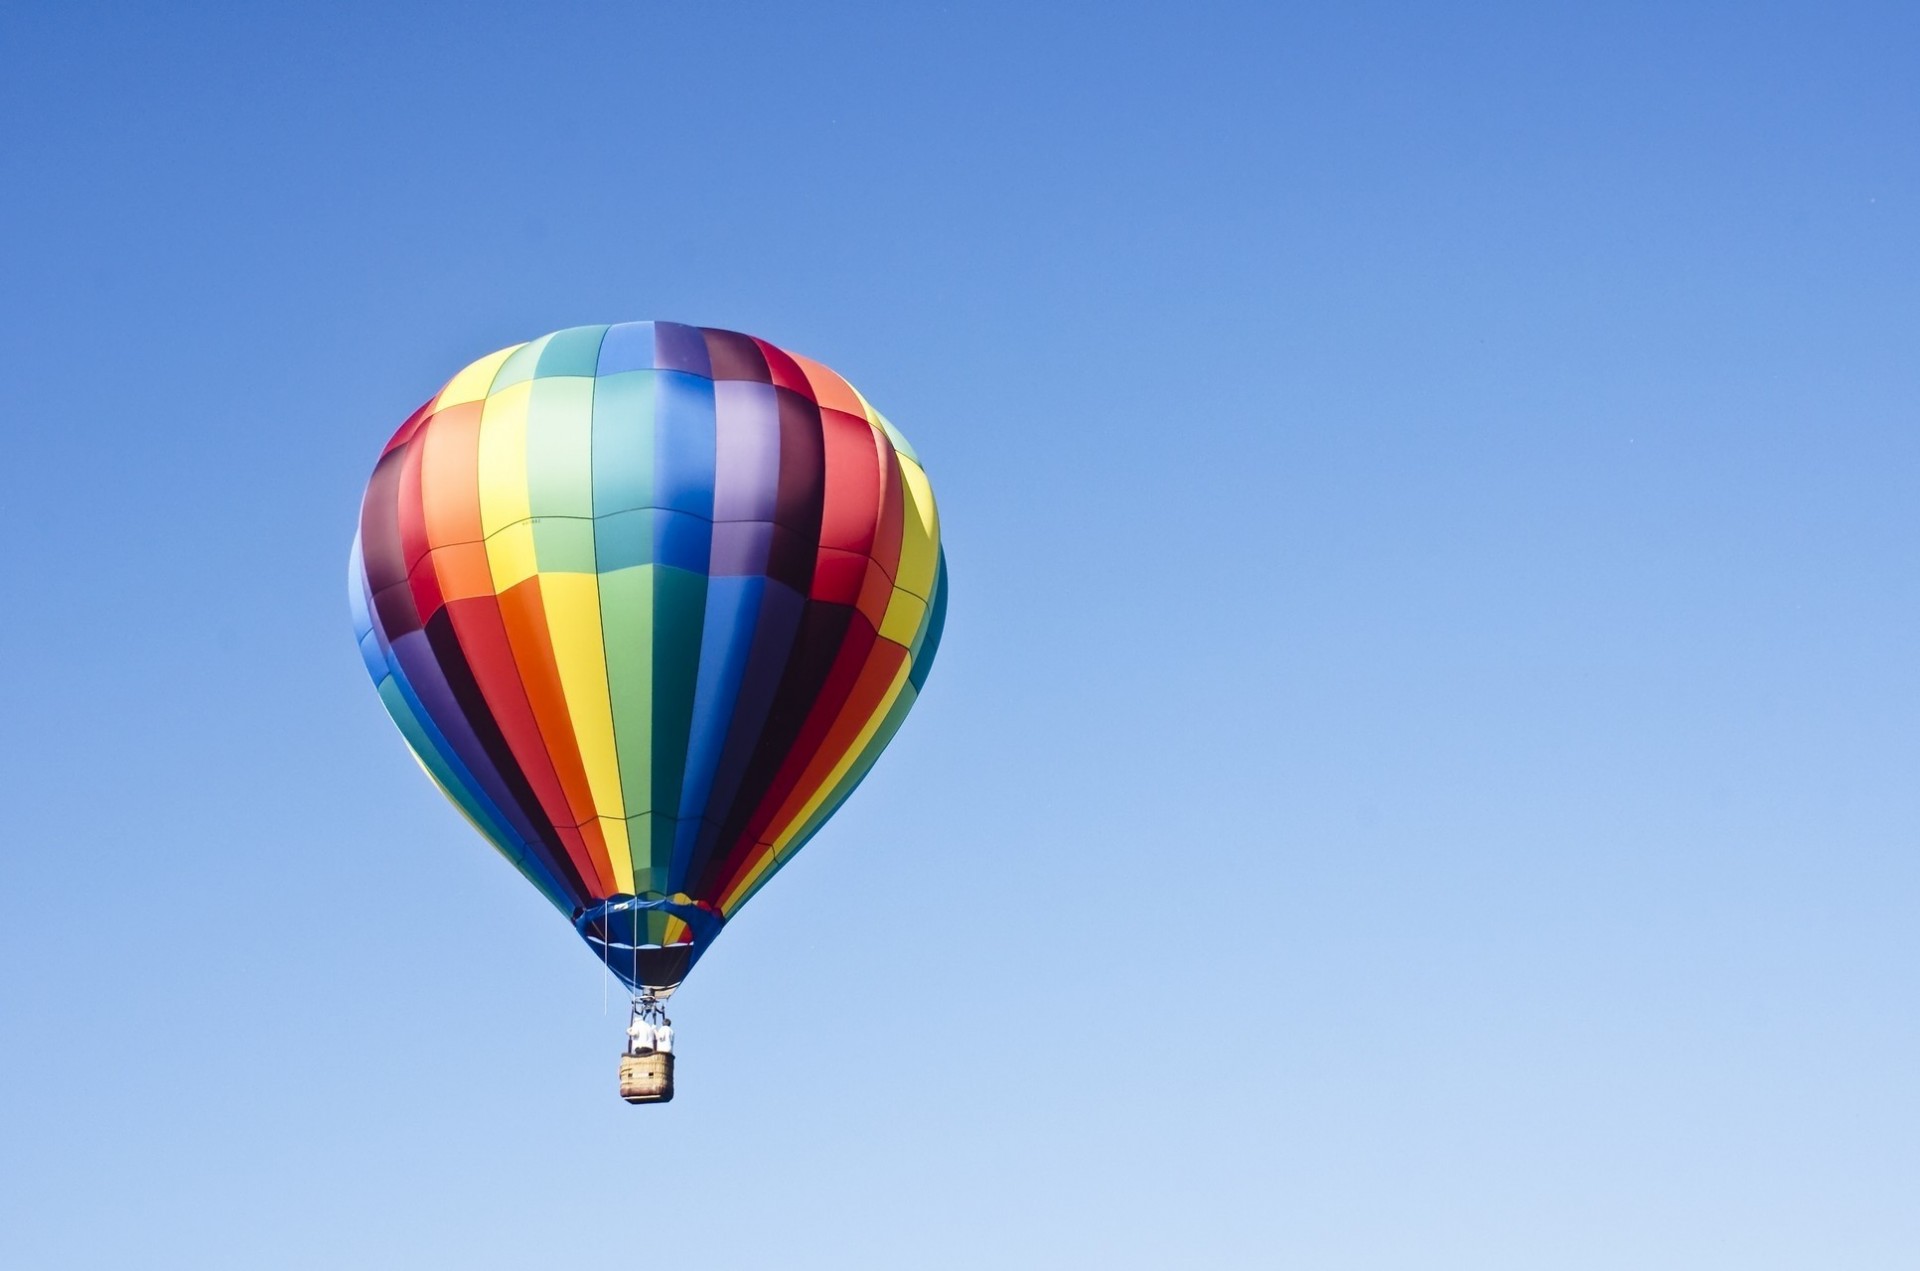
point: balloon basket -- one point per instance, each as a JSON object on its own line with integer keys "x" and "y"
{"x": 646, "y": 1078}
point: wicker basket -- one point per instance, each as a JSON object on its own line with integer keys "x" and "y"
{"x": 646, "y": 1078}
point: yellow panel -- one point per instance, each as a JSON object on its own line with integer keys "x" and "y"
{"x": 920, "y": 532}
{"x": 619, "y": 850}
{"x": 472, "y": 383}
{"x": 902, "y": 622}
{"x": 821, "y": 794}
{"x": 573, "y": 626}
{"x": 503, "y": 459}
{"x": 511, "y": 557}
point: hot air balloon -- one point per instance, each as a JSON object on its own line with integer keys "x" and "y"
{"x": 646, "y": 601}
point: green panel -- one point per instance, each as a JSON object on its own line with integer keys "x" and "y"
{"x": 520, "y": 364}
{"x": 560, "y": 447}
{"x": 652, "y": 832}
{"x": 575, "y": 351}
{"x": 626, "y": 630}
{"x": 899, "y": 441}
{"x": 563, "y": 544}
{"x": 680, "y": 616}
{"x": 646, "y": 878}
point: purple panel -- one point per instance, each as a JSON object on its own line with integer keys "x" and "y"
{"x": 747, "y": 467}
{"x": 740, "y": 548}
{"x": 680, "y": 348}
{"x": 415, "y": 656}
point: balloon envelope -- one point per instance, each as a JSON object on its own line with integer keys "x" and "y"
{"x": 647, "y": 601}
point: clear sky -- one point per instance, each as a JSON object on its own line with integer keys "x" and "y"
{"x": 1428, "y": 710}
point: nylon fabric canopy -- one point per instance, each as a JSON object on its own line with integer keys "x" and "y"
{"x": 647, "y": 601}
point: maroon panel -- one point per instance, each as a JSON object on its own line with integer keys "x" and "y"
{"x": 790, "y": 559}
{"x": 823, "y": 629}
{"x": 735, "y": 356}
{"x": 380, "y": 546}
{"x": 830, "y": 692}
{"x": 411, "y": 512}
{"x": 803, "y": 466}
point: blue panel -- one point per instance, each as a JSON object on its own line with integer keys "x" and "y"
{"x": 733, "y": 608}
{"x": 683, "y": 444}
{"x": 682, "y": 541}
{"x": 357, "y": 589}
{"x": 774, "y": 629}
{"x": 373, "y": 655}
{"x": 451, "y": 746}
{"x": 628, "y": 347}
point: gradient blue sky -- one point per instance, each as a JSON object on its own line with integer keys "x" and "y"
{"x": 1420, "y": 774}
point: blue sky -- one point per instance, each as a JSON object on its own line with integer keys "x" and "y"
{"x": 1428, "y": 704}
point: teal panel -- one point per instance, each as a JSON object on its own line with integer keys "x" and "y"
{"x": 624, "y": 539}
{"x": 623, "y": 415}
{"x": 679, "y": 618}
{"x": 575, "y": 351}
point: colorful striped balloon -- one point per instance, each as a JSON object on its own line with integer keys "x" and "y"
{"x": 647, "y": 601}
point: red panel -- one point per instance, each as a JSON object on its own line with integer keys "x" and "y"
{"x": 403, "y": 434}
{"x": 837, "y": 576}
{"x": 482, "y": 634}
{"x": 893, "y": 510}
{"x": 851, "y": 510}
{"x": 427, "y": 597}
{"x": 785, "y": 371}
{"x": 413, "y": 523}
